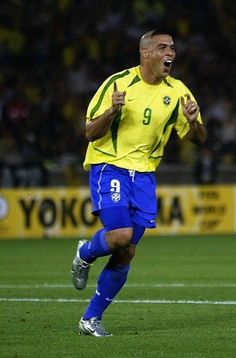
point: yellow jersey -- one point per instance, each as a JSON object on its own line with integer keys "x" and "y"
{"x": 139, "y": 132}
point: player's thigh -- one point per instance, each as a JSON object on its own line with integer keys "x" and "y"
{"x": 109, "y": 187}
{"x": 118, "y": 223}
{"x": 144, "y": 200}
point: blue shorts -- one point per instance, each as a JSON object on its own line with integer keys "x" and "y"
{"x": 113, "y": 187}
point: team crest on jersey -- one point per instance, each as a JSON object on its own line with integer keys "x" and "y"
{"x": 115, "y": 197}
{"x": 166, "y": 100}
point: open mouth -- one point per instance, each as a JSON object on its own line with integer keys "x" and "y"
{"x": 168, "y": 63}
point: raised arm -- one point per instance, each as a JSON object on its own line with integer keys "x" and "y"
{"x": 97, "y": 127}
{"x": 190, "y": 109}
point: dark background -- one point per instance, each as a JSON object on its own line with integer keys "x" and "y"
{"x": 55, "y": 53}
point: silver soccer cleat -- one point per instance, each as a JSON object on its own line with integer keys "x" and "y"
{"x": 93, "y": 327}
{"x": 80, "y": 269}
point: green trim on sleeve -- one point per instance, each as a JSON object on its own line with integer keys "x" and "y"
{"x": 111, "y": 80}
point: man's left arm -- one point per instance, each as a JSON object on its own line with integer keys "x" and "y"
{"x": 197, "y": 133}
{"x": 190, "y": 110}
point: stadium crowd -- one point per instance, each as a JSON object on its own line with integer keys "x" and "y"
{"x": 55, "y": 53}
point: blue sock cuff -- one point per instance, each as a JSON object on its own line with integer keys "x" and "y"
{"x": 97, "y": 247}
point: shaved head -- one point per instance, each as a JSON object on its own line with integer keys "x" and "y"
{"x": 146, "y": 39}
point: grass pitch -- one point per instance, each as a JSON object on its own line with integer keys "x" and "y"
{"x": 179, "y": 301}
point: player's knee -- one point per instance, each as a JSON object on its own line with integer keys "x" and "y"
{"x": 128, "y": 252}
{"x": 124, "y": 255}
{"x": 119, "y": 238}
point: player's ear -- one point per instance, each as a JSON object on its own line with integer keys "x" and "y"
{"x": 145, "y": 53}
{"x": 148, "y": 54}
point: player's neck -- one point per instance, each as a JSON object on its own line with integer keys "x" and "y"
{"x": 148, "y": 76}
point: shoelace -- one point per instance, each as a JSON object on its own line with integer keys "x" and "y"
{"x": 81, "y": 269}
{"x": 84, "y": 264}
{"x": 97, "y": 324}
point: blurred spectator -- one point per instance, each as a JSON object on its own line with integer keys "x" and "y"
{"x": 215, "y": 128}
{"x": 206, "y": 167}
{"x": 229, "y": 140}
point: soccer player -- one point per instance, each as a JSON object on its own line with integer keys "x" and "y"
{"x": 129, "y": 121}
